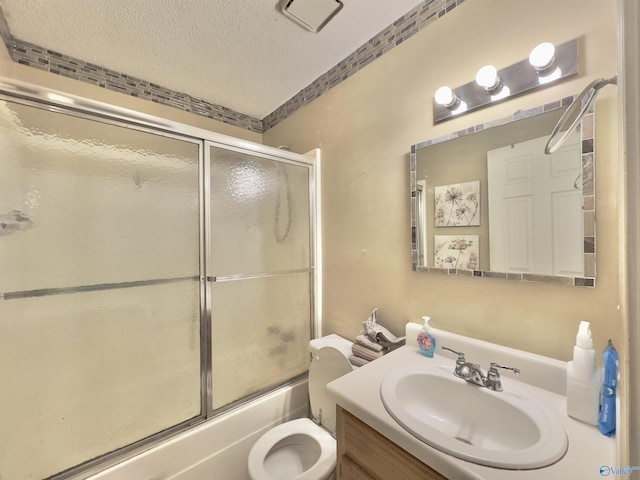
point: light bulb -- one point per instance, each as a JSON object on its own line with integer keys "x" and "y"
{"x": 503, "y": 93}
{"x": 459, "y": 108}
{"x": 487, "y": 77}
{"x": 545, "y": 77}
{"x": 444, "y": 96}
{"x": 542, "y": 56}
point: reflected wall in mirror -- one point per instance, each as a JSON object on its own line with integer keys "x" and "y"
{"x": 488, "y": 202}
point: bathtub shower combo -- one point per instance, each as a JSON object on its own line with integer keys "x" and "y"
{"x": 153, "y": 276}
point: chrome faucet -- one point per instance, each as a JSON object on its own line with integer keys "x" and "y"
{"x": 472, "y": 373}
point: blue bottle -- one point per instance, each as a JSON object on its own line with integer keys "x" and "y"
{"x": 607, "y": 413}
{"x": 426, "y": 340}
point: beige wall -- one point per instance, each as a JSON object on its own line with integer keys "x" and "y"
{"x": 10, "y": 69}
{"x": 365, "y": 126}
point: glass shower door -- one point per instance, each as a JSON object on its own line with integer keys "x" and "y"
{"x": 261, "y": 272}
{"x": 99, "y": 288}
{"x": 109, "y": 332}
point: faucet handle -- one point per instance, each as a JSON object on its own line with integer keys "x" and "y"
{"x": 460, "y": 354}
{"x": 493, "y": 381}
{"x": 493, "y": 366}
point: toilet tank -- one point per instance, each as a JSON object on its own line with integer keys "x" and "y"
{"x": 329, "y": 360}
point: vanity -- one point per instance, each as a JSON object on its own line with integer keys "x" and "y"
{"x": 373, "y": 443}
{"x": 491, "y": 201}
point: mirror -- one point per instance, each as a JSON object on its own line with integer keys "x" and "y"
{"x": 488, "y": 202}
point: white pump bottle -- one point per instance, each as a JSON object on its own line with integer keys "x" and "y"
{"x": 583, "y": 379}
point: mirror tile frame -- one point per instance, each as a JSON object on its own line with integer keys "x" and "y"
{"x": 588, "y": 200}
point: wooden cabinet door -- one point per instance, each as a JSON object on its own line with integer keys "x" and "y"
{"x": 364, "y": 454}
{"x": 350, "y": 470}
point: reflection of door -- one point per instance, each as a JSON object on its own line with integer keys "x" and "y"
{"x": 535, "y": 208}
{"x": 421, "y": 225}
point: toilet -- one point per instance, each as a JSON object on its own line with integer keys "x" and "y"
{"x": 301, "y": 449}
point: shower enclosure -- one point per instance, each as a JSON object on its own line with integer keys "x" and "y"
{"x": 152, "y": 276}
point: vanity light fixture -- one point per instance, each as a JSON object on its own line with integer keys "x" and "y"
{"x": 542, "y": 57}
{"x": 554, "y": 75}
{"x": 488, "y": 78}
{"x": 546, "y": 64}
{"x": 448, "y": 99}
{"x": 503, "y": 92}
{"x": 444, "y": 96}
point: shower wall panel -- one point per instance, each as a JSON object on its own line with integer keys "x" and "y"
{"x": 261, "y": 264}
{"x": 99, "y": 287}
{"x": 86, "y": 373}
{"x": 100, "y": 203}
{"x": 260, "y": 334}
{"x": 259, "y": 214}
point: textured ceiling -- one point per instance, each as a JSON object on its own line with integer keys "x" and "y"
{"x": 241, "y": 54}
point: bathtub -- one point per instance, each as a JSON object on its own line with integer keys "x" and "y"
{"x": 217, "y": 449}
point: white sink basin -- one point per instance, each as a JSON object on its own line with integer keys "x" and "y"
{"x": 498, "y": 429}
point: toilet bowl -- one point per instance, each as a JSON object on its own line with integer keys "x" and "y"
{"x": 297, "y": 449}
{"x": 305, "y": 449}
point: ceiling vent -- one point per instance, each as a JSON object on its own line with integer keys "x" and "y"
{"x": 311, "y": 14}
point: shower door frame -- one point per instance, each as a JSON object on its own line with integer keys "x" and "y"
{"x": 88, "y": 109}
{"x": 267, "y": 153}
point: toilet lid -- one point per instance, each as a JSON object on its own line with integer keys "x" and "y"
{"x": 326, "y": 366}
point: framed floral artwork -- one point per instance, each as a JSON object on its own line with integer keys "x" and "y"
{"x": 457, "y": 205}
{"x": 456, "y": 251}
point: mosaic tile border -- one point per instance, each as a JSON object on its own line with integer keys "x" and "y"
{"x": 588, "y": 200}
{"x": 57, "y": 63}
{"x": 392, "y": 36}
{"x": 54, "y": 62}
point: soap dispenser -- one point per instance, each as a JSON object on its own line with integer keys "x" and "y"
{"x": 426, "y": 340}
{"x": 583, "y": 379}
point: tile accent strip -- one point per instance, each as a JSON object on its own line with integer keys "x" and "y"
{"x": 54, "y": 62}
{"x": 37, "y": 57}
{"x": 396, "y": 33}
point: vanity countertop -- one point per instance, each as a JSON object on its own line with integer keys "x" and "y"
{"x": 359, "y": 393}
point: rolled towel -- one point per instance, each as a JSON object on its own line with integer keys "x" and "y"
{"x": 377, "y": 332}
{"x": 363, "y": 352}
{"x": 392, "y": 346}
{"x": 366, "y": 342}
{"x": 357, "y": 361}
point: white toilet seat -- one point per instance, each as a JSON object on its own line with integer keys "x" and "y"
{"x": 323, "y": 467}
